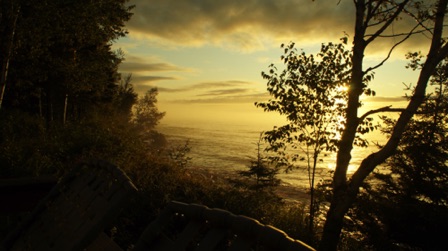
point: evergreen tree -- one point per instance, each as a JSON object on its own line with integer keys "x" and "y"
{"x": 264, "y": 174}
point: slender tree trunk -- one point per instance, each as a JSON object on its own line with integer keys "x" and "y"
{"x": 40, "y": 103}
{"x": 5, "y": 67}
{"x": 64, "y": 117}
{"x": 312, "y": 190}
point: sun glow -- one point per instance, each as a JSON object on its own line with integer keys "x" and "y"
{"x": 332, "y": 166}
{"x": 343, "y": 88}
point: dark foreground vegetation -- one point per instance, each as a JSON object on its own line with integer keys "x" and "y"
{"x": 63, "y": 102}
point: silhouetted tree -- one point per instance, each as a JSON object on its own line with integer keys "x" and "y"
{"x": 147, "y": 116}
{"x": 264, "y": 173}
{"x": 374, "y": 20}
{"x": 415, "y": 178}
{"x": 126, "y": 97}
{"x": 62, "y": 63}
{"x": 311, "y": 93}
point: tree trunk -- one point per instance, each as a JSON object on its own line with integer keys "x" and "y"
{"x": 340, "y": 202}
{"x": 333, "y": 224}
{"x": 312, "y": 190}
{"x": 64, "y": 116}
{"x": 5, "y": 67}
{"x": 345, "y": 192}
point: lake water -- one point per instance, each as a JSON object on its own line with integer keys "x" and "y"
{"x": 225, "y": 148}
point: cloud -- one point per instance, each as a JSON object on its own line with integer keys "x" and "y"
{"x": 143, "y": 70}
{"x": 139, "y": 64}
{"x": 139, "y": 67}
{"x": 139, "y": 78}
{"x": 143, "y": 83}
{"x": 229, "y": 83}
{"x": 232, "y": 99}
{"x": 206, "y": 85}
{"x": 170, "y": 90}
{"x": 225, "y": 92}
{"x": 245, "y": 25}
{"x": 385, "y": 99}
{"x": 231, "y": 91}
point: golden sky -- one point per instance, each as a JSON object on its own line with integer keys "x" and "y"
{"x": 206, "y": 56}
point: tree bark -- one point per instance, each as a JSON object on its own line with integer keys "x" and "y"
{"x": 344, "y": 191}
{"x": 340, "y": 202}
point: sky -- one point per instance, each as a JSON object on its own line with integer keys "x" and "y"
{"x": 206, "y": 56}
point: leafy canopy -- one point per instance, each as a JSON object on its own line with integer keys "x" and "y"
{"x": 311, "y": 92}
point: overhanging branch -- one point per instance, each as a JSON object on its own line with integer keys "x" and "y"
{"x": 379, "y": 110}
{"x": 391, "y": 50}
{"x": 399, "y": 34}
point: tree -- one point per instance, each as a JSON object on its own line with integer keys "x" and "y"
{"x": 261, "y": 170}
{"x": 126, "y": 98}
{"x": 8, "y": 24}
{"x": 62, "y": 64}
{"x": 415, "y": 177}
{"x": 147, "y": 115}
{"x": 373, "y": 18}
{"x": 311, "y": 92}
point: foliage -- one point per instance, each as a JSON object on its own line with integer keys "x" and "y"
{"x": 125, "y": 98}
{"x": 62, "y": 66}
{"x": 416, "y": 178}
{"x": 146, "y": 114}
{"x": 260, "y": 168}
{"x": 311, "y": 93}
{"x": 161, "y": 178}
{"x": 373, "y": 22}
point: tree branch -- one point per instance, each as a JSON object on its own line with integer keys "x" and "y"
{"x": 436, "y": 53}
{"x": 398, "y": 34}
{"x": 388, "y": 22}
{"x": 419, "y": 22}
{"x": 390, "y": 51}
{"x": 379, "y": 110}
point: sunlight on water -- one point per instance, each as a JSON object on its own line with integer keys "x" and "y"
{"x": 226, "y": 144}
{"x": 228, "y": 148}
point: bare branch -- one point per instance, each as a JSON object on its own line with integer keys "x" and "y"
{"x": 370, "y": 14}
{"x": 419, "y": 22}
{"x": 379, "y": 13}
{"x": 390, "y": 51}
{"x": 379, "y": 110}
{"x": 391, "y": 19}
{"x": 398, "y": 34}
{"x": 436, "y": 53}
